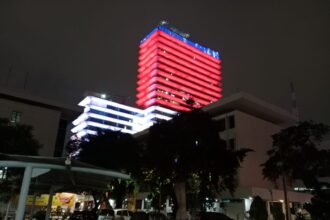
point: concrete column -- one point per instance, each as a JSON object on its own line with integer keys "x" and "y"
{"x": 24, "y": 193}
{"x": 50, "y": 201}
{"x": 33, "y": 205}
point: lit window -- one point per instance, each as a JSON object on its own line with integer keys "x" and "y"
{"x": 231, "y": 121}
{"x": 15, "y": 117}
{"x": 3, "y": 173}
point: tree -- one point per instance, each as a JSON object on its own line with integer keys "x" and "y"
{"x": 189, "y": 146}
{"x": 296, "y": 154}
{"x": 111, "y": 150}
{"x": 258, "y": 209}
{"x": 15, "y": 139}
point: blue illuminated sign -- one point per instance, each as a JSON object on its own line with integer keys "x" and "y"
{"x": 206, "y": 50}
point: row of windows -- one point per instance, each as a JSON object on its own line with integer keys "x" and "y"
{"x": 203, "y": 79}
{"x": 191, "y": 65}
{"x": 110, "y": 115}
{"x": 110, "y": 123}
{"x": 122, "y": 110}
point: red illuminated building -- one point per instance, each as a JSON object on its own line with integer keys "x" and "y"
{"x": 176, "y": 73}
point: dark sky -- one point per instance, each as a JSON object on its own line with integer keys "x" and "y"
{"x": 69, "y": 47}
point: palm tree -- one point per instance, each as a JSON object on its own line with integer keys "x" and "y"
{"x": 296, "y": 154}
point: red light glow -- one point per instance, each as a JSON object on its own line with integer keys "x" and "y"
{"x": 172, "y": 72}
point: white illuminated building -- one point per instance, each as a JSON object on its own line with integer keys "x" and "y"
{"x": 100, "y": 114}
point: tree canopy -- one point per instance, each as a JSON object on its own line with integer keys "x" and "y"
{"x": 111, "y": 150}
{"x": 189, "y": 147}
{"x": 297, "y": 154}
{"x": 185, "y": 149}
{"x": 17, "y": 139}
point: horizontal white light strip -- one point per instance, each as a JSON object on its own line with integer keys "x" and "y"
{"x": 79, "y": 127}
{"x": 163, "y": 117}
{"x": 93, "y": 100}
{"x": 140, "y": 119}
{"x": 80, "y": 119}
{"x": 85, "y": 101}
{"x": 99, "y": 125}
{"x": 102, "y": 109}
{"x": 82, "y": 133}
{"x": 155, "y": 115}
{"x": 161, "y": 109}
{"x": 106, "y": 118}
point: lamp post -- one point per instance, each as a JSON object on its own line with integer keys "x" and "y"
{"x": 285, "y": 192}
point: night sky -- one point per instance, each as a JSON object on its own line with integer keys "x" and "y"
{"x": 69, "y": 47}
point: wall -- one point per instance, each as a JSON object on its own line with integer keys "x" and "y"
{"x": 254, "y": 133}
{"x": 43, "y": 120}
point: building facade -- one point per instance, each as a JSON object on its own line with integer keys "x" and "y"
{"x": 50, "y": 121}
{"x": 248, "y": 122}
{"x": 176, "y": 73}
{"x": 100, "y": 113}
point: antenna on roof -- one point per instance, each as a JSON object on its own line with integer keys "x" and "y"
{"x": 163, "y": 23}
{"x": 8, "y": 75}
{"x": 294, "y": 110}
{"x": 26, "y": 80}
{"x": 174, "y": 29}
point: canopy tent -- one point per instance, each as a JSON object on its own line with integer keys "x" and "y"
{"x": 51, "y": 174}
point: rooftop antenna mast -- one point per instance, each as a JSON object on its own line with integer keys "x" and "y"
{"x": 8, "y": 75}
{"x": 174, "y": 29}
{"x": 294, "y": 106}
{"x": 26, "y": 80}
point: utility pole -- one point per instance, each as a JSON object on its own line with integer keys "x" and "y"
{"x": 8, "y": 75}
{"x": 25, "y": 80}
{"x": 294, "y": 106}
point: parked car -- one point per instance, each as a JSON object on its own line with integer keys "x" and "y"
{"x": 123, "y": 214}
{"x": 213, "y": 216}
{"x": 83, "y": 215}
{"x": 106, "y": 214}
{"x": 140, "y": 215}
{"x": 40, "y": 215}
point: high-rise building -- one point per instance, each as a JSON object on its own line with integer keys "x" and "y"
{"x": 175, "y": 72}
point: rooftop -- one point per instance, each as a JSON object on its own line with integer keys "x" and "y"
{"x": 251, "y": 105}
{"x": 68, "y": 112}
{"x": 206, "y": 50}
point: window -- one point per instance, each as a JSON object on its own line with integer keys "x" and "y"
{"x": 15, "y": 117}
{"x": 138, "y": 204}
{"x": 232, "y": 144}
{"x": 3, "y": 173}
{"x": 222, "y": 124}
{"x": 231, "y": 121}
